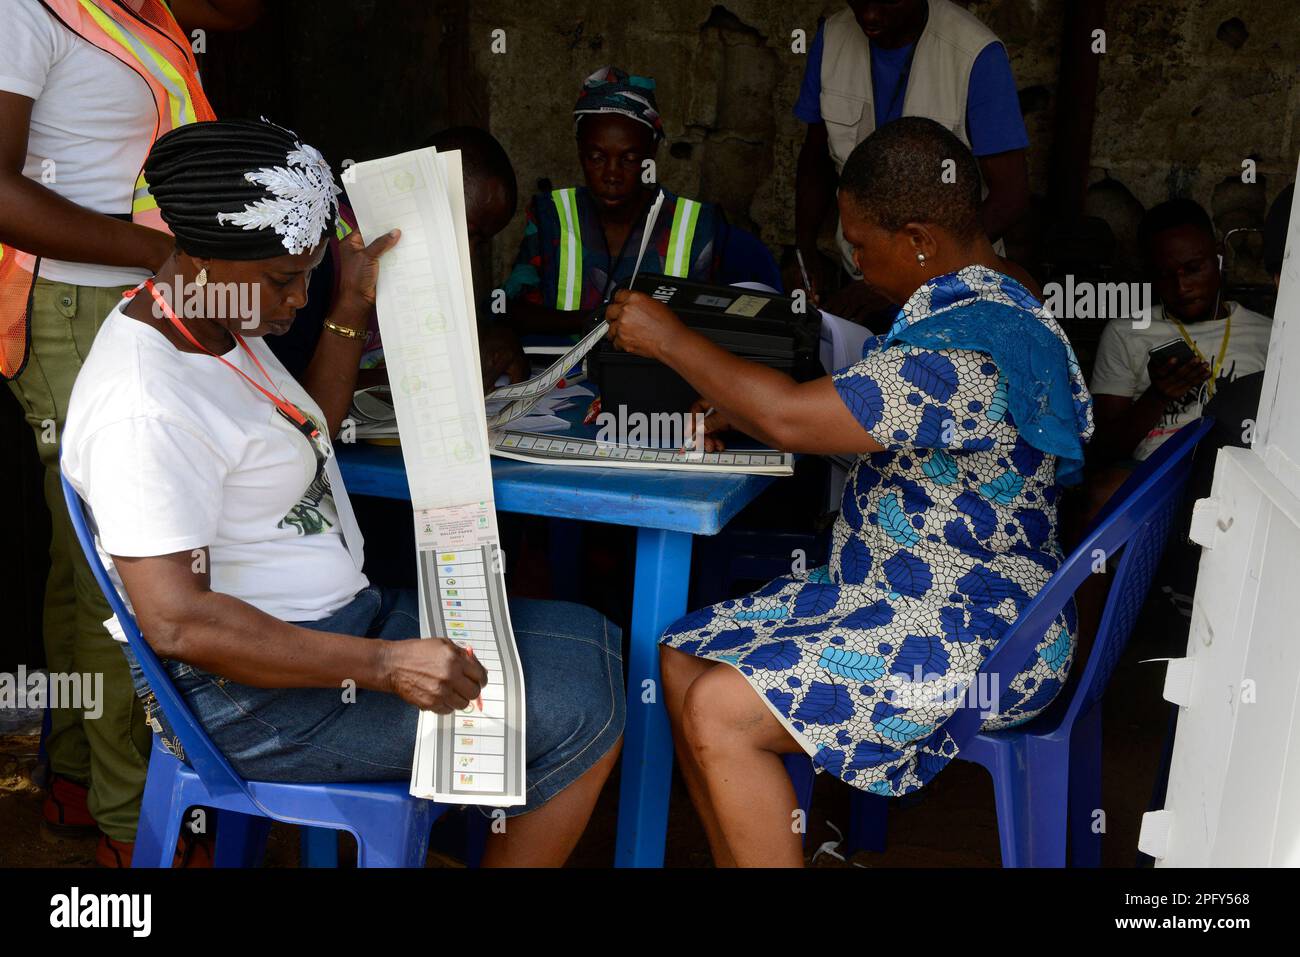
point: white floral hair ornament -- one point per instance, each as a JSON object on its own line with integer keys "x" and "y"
{"x": 302, "y": 203}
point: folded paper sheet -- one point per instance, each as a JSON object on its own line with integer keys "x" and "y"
{"x": 424, "y": 302}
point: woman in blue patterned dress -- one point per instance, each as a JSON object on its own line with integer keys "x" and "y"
{"x": 966, "y": 418}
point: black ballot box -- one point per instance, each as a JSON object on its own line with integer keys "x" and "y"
{"x": 763, "y": 327}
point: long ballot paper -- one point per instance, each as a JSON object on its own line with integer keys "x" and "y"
{"x": 579, "y": 451}
{"x": 424, "y": 297}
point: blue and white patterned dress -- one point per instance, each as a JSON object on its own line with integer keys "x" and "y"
{"x": 941, "y": 541}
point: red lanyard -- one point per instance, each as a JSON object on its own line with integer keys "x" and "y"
{"x": 287, "y": 408}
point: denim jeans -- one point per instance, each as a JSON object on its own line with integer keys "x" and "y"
{"x": 573, "y": 673}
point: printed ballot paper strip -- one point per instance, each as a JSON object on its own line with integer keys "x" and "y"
{"x": 423, "y": 299}
{"x": 563, "y": 450}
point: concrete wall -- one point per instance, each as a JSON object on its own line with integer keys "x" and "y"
{"x": 1188, "y": 90}
{"x": 1186, "y": 93}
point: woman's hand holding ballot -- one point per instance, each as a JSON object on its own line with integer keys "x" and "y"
{"x": 434, "y": 675}
{"x": 359, "y": 271}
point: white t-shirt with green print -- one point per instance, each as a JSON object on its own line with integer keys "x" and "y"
{"x": 174, "y": 451}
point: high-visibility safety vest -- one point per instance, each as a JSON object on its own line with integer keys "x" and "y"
{"x": 568, "y": 285}
{"x": 145, "y": 36}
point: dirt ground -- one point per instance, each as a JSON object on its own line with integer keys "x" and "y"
{"x": 950, "y": 824}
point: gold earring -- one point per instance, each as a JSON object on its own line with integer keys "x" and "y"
{"x": 202, "y": 278}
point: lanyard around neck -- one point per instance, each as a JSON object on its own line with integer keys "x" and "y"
{"x": 1223, "y": 347}
{"x": 286, "y": 408}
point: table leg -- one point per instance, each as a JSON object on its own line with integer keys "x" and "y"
{"x": 663, "y": 568}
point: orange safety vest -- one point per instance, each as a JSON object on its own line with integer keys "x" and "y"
{"x": 145, "y": 36}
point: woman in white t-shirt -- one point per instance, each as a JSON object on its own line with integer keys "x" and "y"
{"x": 216, "y": 498}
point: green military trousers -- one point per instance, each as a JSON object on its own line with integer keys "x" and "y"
{"x": 108, "y": 753}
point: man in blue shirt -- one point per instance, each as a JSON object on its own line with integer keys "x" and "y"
{"x": 993, "y": 125}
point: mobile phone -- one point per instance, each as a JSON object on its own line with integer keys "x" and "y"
{"x": 1173, "y": 349}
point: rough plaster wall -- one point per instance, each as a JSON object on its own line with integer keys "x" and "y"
{"x": 1031, "y": 32}
{"x": 1190, "y": 90}
{"x": 1182, "y": 100}
{"x": 1179, "y": 108}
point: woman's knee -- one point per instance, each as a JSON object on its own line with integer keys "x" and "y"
{"x": 722, "y": 709}
{"x": 679, "y": 669}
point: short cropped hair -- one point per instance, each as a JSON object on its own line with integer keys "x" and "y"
{"x": 482, "y": 157}
{"x": 1172, "y": 214}
{"x": 901, "y": 174}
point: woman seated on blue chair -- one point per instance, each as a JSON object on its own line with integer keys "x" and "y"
{"x": 964, "y": 419}
{"x": 216, "y": 498}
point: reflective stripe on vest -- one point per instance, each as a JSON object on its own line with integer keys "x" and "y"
{"x": 678, "y": 261}
{"x": 147, "y": 39}
{"x": 170, "y": 70}
{"x": 568, "y": 284}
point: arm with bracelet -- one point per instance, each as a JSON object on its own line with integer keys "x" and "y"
{"x": 331, "y": 376}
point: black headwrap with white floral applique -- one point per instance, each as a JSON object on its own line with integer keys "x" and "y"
{"x": 241, "y": 189}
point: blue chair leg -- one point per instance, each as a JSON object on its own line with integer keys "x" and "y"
{"x": 801, "y": 777}
{"x": 161, "y": 811}
{"x": 1085, "y": 791}
{"x": 868, "y": 822}
{"x": 241, "y": 839}
{"x": 1033, "y": 805}
{"x": 319, "y": 847}
{"x": 400, "y": 838}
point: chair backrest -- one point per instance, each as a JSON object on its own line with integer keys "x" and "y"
{"x": 1134, "y": 526}
{"x": 217, "y": 774}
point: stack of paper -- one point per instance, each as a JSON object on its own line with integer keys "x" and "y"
{"x": 541, "y": 417}
{"x": 372, "y": 413}
{"x": 423, "y": 297}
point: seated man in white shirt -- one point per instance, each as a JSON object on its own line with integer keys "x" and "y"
{"x": 208, "y": 471}
{"x": 1140, "y": 402}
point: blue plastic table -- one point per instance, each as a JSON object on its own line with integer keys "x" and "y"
{"x": 666, "y": 508}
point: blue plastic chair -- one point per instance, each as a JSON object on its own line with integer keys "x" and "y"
{"x": 391, "y": 827}
{"x": 1047, "y": 772}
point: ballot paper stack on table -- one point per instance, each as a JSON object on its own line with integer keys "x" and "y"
{"x": 423, "y": 300}
{"x": 373, "y": 417}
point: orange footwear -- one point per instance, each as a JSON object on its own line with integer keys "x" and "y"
{"x": 64, "y": 813}
{"x": 190, "y": 852}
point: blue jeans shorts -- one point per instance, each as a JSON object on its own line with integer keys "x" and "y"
{"x": 573, "y": 673}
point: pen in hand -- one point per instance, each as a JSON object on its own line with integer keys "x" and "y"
{"x": 478, "y": 702}
{"x": 698, "y": 435}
